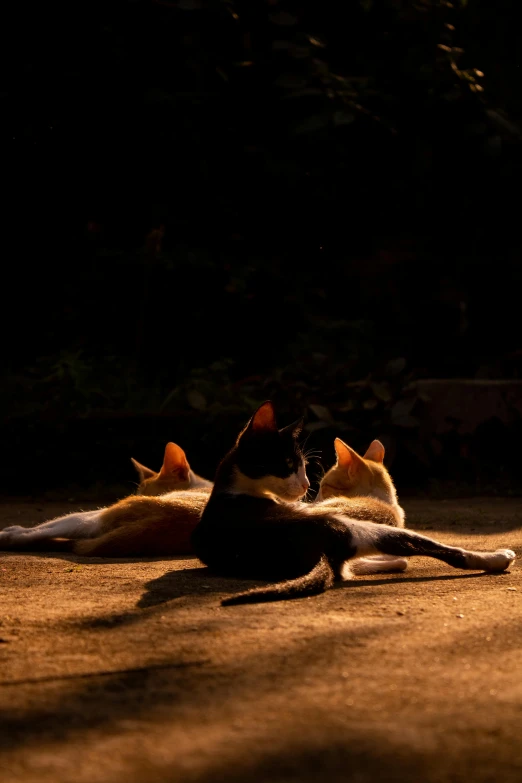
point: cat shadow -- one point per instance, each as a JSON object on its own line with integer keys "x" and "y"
{"x": 200, "y": 581}
{"x": 395, "y": 579}
{"x": 188, "y": 582}
{"x": 69, "y": 557}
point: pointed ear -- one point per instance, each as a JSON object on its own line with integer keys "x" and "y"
{"x": 174, "y": 461}
{"x": 375, "y": 451}
{"x": 263, "y": 420}
{"x": 143, "y": 472}
{"x": 347, "y": 458}
{"x": 293, "y": 429}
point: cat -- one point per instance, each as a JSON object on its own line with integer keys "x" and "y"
{"x": 152, "y": 522}
{"x": 362, "y": 488}
{"x": 254, "y": 525}
{"x": 175, "y": 474}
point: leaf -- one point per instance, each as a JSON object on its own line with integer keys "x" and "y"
{"x": 283, "y": 18}
{"x": 314, "y": 123}
{"x": 343, "y": 118}
{"x": 312, "y": 426}
{"x": 401, "y": 409}
{"x": 395, "y": 366}
{"x": 304, "y": 93}
{"x": 370, "y": 404}
{"x": 322, "y": 413}
{"x": 196, "y": 400}
{"x": 281, "y": 45}
{"x": 381, "y": 391}
{"x": 406, "y": 421}
{"x": 290, "y": 81}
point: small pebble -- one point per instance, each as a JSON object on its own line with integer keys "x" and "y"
{"x": 459, "y": 615}
{"x": 511, "y": 589}
{"x": 401, "y": 614}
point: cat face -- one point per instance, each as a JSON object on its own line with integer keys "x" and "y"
{"x": 353, "y": 475}
{"x": 268, "y": 460}
{"x": 175, "y": 474}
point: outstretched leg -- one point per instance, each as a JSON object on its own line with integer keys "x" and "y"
{"x": 378, "y": 564}
{"x": 81, "y": 524}
{"x": 371, "y": 539}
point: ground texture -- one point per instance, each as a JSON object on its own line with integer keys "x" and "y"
{"x": 132, "y": 671}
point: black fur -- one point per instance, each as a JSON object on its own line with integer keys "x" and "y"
{"x": 269, "y": 452}
{"x": 259, "y": 538}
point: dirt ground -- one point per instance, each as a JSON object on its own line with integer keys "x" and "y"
{"x": 132, "y": 671}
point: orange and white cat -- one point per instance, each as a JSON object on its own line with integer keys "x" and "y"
{"x": 362, "y": 488}
{"x": 254, "y": 527}
{"x": 156, "y": 521}
{"x": 175, "y": 474}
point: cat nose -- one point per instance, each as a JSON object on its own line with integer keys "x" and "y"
{"x": 305, "y": 483}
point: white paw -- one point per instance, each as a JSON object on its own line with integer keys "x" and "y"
{"x": 13, "y": 529}
{"x": 499, "y": 560}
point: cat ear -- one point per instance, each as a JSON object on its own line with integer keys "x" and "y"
{"x": 143, "y": 472}
{"x": 263, "y": 420}
{"x": 347, "y": 458}
{"x": 293, "y": 429}
{"x": 174, "y": 461}
{"x": 375, "y": 451}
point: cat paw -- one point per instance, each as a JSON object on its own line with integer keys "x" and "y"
{"x": 13, "y": 529}
{"x": 498, "y": 561}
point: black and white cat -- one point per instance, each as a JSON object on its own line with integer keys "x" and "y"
{"x": 254, "y": 526}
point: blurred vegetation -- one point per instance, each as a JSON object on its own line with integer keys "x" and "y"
{"x": 213, "y": 203}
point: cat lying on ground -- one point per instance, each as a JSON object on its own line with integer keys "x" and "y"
{"x": 156, "y": 521}
{"x": 253, "y": 526}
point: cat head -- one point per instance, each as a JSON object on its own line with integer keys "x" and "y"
{"x": 268, "y": 461}
{"x": 175, "y": 474}
{"x": 353, "y": 475}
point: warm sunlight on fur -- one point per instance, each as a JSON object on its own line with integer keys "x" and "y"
{"x": 356, "y": 476}
{"x": 146, "y": 526}
{"x": 175, "y": 474}
{"x": 157, "y": 521}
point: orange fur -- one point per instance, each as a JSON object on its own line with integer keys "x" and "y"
{"x": 175, "y": 474}
{"x": 361, "y": 487}
{"x": 147, "y": 526}
{"x": 156, "y": 521}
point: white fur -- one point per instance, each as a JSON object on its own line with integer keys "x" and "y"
{"x": 81, "y": 524}
{"x": 378, "y": 564}
{"x": 490, "y": 561}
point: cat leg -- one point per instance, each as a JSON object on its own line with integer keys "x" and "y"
{"x": 114, "y": 543}
{"x": 378, "y": 564}
{"x": 81, "y": 524}
{"x": 372, "y": 539}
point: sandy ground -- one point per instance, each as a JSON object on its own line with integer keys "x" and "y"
{"x": 132, "y": 671}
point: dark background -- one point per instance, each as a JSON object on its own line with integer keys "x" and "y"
{"x": 208, "y": 204}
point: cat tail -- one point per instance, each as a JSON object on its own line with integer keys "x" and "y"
{"x": 319, "y": 579}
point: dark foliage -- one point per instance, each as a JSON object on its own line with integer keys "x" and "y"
{"x": 210, "y": 203}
